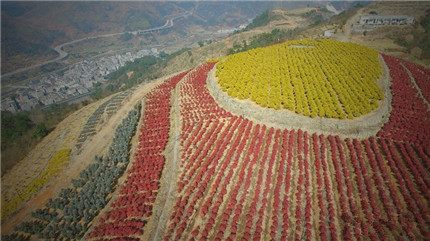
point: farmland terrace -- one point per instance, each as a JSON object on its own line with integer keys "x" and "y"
{"x": 201, "y": 171}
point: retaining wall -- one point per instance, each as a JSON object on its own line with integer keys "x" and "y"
{"x": 360, "y": 127}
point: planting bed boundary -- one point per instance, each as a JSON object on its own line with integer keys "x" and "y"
{"x": 360, "y": 128}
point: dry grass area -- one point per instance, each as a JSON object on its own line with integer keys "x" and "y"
{"x": 64, "y": 136}
{"x": 384, "y": 39}
{"x": 78, "y": 161}
{"x": 415, "y": 9}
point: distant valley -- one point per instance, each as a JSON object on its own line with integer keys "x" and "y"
{"x": 30, "y": 30}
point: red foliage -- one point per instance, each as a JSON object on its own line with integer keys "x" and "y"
{"x": 410, "y": 117}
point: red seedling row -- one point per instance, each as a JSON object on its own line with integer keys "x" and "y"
{"x": 123, "y": 227}
{"x": 323, "y": 234}
{"x": 359, "y": 226}
{"x": 421, "y": 76}
{"x": 407, "y": 189}
{"x": 207, "y": 163}
{"x": 119, "y": 239}
{"x": 378, "y": 164}
{"x": 279, "y": 181}
{"x": 267, "y": 186}
{"x": 239, "y": 181}
{"x": 197, "y": 103}
{"x": 416, "y": 168}
{"x": 361, "y": 181}
{"x": 286, "y": 201}
{"x": 243, "y": 181}
{"x": 237, "y": 147}
{"x": 298, "y": 214}
{"x": 196, "y": 158}
{"x": 331, "y": 211}
{"x": 346, "y": 215}
{"x": 308, "y": 207}
{"x": 252, "y": 211}
{"x": 378, "y": 183}
{"x": 128, "y": 213}
{"x": 410, "y": 117}
{"x": 227, "y": 163}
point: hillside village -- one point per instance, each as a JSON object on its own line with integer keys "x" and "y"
{"x": 76, "y": 82}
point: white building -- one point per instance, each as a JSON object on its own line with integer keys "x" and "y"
{"x": 328, "y": 33}
{"x": 386, "y": 20}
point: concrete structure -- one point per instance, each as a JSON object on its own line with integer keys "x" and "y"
{"x": 386, "y": 20}
{"x": 328, "y": 33}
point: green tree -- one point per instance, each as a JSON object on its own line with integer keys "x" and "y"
{"x": 259, "y": 21}
{"x": 110, "y": 88}
{"x": 40, "y": 131}
{"x": 14, "y": 125}
{"x": 126, "y": 37}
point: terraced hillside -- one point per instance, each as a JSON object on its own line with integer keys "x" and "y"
{"x": 100, "y": 116}
{"x": 202, "y": 171}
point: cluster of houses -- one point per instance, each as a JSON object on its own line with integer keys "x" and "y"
{"x": 77, "y": 81}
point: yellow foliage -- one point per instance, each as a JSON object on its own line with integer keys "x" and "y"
{"x": 323, "y": 78}
{"x": 55, "y": 165}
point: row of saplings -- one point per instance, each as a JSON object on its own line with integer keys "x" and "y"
{"x": 69, "y": 215}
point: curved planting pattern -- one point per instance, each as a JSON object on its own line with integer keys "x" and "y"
{"x": 129, "y": 213}
{"x": 324, "y": 78}
{"x": 241, "y": 180}
{"x": 421, "y": 76}
{"x": 70, "y": 214}
{"x": 410, "y": 117}
{"x": 99, "y": 117}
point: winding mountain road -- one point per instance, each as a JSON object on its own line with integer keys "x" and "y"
{"x": 63, "y": 54}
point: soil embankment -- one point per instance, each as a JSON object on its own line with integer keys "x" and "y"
{"x": 361, "y": 127}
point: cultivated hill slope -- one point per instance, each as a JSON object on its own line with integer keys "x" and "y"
{"x": 322, "y": 78}
{"x": 201, "y": 171}
{"x": 193, "y": 166}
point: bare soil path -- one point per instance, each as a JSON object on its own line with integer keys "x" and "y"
{"x": 346, "y": 35}
{"x": 64, "y": 136}
{"x": 416, "y": 86}
{"x": 167, "y": 195}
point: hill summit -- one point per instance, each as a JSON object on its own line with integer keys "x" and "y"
{"x": 324, "y": 78}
